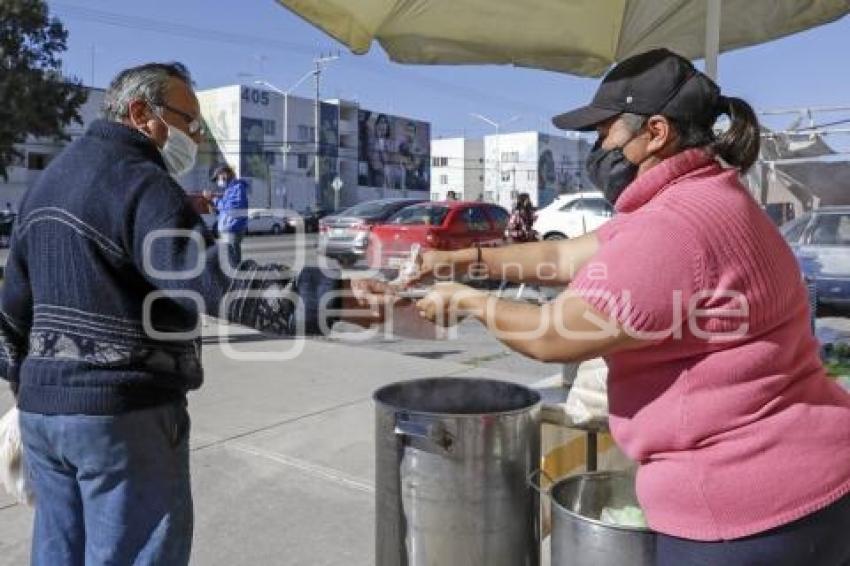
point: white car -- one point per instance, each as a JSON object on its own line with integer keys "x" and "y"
{"x": 263, "y": 221}
{"x": 572, "y": 215}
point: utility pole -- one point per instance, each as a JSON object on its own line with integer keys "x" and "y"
{"x": 320, "y": 62}
{"x": 498, "y": 126}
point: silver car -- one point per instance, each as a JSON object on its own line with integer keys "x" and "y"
{"x": 820, "y": 240}
{"x": 345, "y": 236}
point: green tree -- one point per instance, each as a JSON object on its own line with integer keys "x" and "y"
{"x": 35, "y": 99}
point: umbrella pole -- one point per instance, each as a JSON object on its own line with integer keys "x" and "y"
{"x": 712, "y": 37}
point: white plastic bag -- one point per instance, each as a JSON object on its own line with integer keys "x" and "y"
{"x": 587, "y": 401}
{"x": 12, "y": 471}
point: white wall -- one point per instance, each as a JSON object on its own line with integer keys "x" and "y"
{"x": 457, "y": 164}
{"x": 539, "y": 164}
{"x": 20, "y": 177}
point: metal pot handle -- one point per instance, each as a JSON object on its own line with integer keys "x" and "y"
{"x": 425, "y": 435}
{"x": 535, "y": 486}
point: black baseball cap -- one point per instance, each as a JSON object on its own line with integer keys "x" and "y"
{"x": 655, "y": 82}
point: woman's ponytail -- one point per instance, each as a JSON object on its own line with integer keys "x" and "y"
{"x": 739, "y": 145}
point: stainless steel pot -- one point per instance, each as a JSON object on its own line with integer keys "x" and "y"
{"x": 452, "y": 461}
{"x": 579, "y": 538}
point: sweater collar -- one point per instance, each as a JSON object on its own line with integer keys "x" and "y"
{"x": 127, "y": 136}
{"x": 647, "y": 186}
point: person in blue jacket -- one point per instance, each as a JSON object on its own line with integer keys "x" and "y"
{"x": 232, "y": 208}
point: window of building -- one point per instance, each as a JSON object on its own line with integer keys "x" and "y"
{"x": 440, "y": 161}
{"x": 435, "y": 196}
{"x": 444, "y": 179}
{"x": 510, "y": 157}
{"x": 302, "y": 160}
{"x": 269, "y": 127}
{"x": 506, "y": 175}
{"x": 306, "y": 133}
{"x": 37, "y": 161}
{"x": 270, "y": 157}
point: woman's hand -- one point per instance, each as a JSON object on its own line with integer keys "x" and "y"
{"x": 437, "y": 265}
{"x": 449, "y": 303}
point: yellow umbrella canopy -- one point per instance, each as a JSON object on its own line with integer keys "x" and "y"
{"x": 581, "y": 37}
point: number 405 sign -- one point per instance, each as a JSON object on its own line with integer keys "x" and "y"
{"x": 255, "y": 96}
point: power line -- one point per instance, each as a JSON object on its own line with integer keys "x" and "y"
{"x": 221, "y": 36}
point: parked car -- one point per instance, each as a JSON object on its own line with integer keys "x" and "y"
{"x": 345, "y": 236}
{"x": 447, "y": 225}
{"x": 265, "y": 221}
{"x": 307, "y": 220}
{"x": 572, "y": 215}
{"x": 821, "y": 242}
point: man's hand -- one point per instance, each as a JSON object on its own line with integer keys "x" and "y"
{"x": 449, "y": 303}
{"x": 367, "y": 300}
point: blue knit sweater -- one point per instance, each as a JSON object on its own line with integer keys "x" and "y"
{"x": 108, "y": 271}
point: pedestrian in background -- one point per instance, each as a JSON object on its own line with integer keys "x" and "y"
{"x": 521, "y": 222}
{"x": 232, "y": 208}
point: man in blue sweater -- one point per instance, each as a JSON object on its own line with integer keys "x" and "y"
{"x": 108, "y": 271}
{"x": 232, "y": 208}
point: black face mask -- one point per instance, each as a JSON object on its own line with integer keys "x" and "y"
{"x": 610, "y": 170}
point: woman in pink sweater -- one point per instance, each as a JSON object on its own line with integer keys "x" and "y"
{"x": 697, "y": 304}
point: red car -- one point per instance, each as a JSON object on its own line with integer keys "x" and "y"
{"x": 449, "y": 225}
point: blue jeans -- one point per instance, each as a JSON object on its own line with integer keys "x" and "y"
{"x": 819, "y": 539}
{"x": 234, "y": 240}
{"x": 110, "y": 490}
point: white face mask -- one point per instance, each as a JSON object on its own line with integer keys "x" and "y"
{"x": 221, "y": 183}
{"x": 179, "y": 151}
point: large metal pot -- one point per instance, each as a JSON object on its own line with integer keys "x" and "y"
{"x": 452, "y": 460}
{"x": 579, "y": 538}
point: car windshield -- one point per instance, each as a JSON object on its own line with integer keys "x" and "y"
{"x": 369, "y": 209}
{"x": 430, "y": 214}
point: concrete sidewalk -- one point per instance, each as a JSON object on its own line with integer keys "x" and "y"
{"x": 282, "y": 453}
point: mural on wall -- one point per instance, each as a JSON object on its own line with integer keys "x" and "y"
{"x": 558, "y": 169}
{"x": 395, "y": 152}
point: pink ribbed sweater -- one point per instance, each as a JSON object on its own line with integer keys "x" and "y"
{"x": 734, "y": 435}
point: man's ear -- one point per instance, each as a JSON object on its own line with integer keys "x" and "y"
{"x": 661, "y": 133}
{"x": 138, "y": 113}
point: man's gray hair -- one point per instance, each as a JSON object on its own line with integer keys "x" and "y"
{"x": 145, "y": 82}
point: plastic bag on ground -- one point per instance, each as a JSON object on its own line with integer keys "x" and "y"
{"x": 12, "y": 470}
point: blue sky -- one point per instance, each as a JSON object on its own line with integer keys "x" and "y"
{"x": 807, "y": 69}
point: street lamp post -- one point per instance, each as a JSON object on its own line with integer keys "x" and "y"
{"x": 286, "y": 94}
{"x": 498, "y": 126}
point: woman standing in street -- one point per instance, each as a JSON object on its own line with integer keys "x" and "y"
{"x": 521, "y": 222}
{"x": 697, "y": 304}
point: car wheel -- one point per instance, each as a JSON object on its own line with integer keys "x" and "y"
{"x": 276, "y": 229}
{"x": 554, "y": 236}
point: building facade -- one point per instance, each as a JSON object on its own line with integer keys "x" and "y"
{"x": 38, "y": 152}
{"x": 270, "y": 140}
{"x": 539, "y": 164}
{"x": 457, "y": 164}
